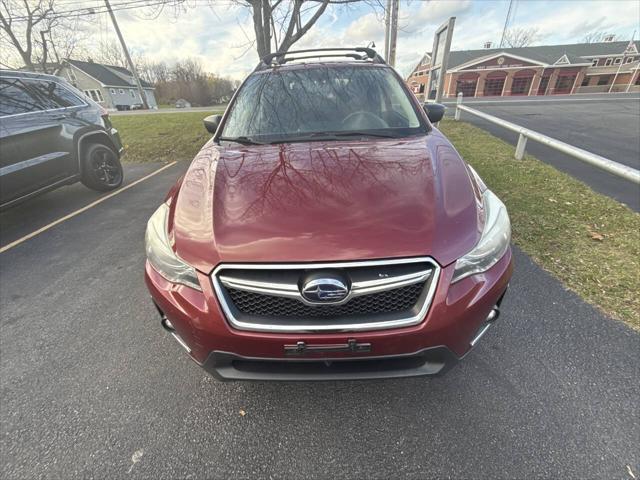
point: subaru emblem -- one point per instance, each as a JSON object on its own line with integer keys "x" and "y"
{"x": 324, "y": 290}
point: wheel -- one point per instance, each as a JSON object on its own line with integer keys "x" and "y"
{"x": 101, "y": 168}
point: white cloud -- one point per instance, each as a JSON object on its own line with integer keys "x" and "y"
{"x": 429, "y": 15}
{"x": 218, "y": 38}
{"x": 366, "y": 28}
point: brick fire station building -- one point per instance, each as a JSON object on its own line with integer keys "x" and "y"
{"x": 544, "y": 70}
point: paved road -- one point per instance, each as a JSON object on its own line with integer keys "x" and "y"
{"x": 91, "y": 386}
{"x": 607, "y": 126}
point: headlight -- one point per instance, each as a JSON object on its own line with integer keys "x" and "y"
{"x": 160, "y": 254}
{"x": 493, "y": 244}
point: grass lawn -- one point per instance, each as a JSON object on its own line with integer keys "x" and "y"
{"x": 589, "y": 241}
{"x": 162, "y": 137}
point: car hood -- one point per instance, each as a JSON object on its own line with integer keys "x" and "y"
{"x": 325, "y": 201}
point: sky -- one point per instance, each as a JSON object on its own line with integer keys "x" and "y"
{"x": 218, "y": 36}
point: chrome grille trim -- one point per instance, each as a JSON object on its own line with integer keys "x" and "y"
{"x": 358, "y": 288}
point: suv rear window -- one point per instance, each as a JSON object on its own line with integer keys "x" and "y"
{"x": 291, "y": 104}
{"x": 31, "y": 95}
{"x": 54, "y": 94}
{"x": 16, "y": 98}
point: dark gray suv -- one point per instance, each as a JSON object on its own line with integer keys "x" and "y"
{"x": 51, "y": 135}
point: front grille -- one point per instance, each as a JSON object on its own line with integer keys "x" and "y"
{"x": 383, "y": 294}
{"x": 389, "y": 301}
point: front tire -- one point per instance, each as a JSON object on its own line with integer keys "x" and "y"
{"x": 101, "y": 168}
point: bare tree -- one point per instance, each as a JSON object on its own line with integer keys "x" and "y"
{"x": 595, "y": 37}
{"x": 110, "y": 53}
{"x": 24, "y": 24}
{"x": 279, "y": 24}
{"x": 32, "y": 30}
{"x": 188, "y": 80}
{"x": 153, "y": 72}
{"x": 521, "y": 37}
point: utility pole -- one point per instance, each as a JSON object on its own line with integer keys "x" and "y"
{"x": 143, "y": 97}
{"x": 387, "y": 29}
{"x": 393, "y": 36}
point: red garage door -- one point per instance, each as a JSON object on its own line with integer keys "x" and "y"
{"x": 522, "y": 81}
{"x": 494, "y": 84}
{"x": 564, "y": 83}
{"x": 466, "y": 83}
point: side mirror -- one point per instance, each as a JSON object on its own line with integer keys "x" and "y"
{"x": 435, "y": 111}
{"x": 211, "y": 123}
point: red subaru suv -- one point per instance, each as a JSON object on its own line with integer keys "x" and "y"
{"x": 327, "y": 231}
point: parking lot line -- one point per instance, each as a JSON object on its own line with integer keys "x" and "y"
{"x": 83, "y": 209}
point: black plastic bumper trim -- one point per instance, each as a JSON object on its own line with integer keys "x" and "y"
{"x": 428, "y": 362}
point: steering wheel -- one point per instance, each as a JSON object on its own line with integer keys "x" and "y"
{"x": 364, "y": 120}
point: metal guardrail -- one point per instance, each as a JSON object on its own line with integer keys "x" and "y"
{"x": 598, "y": 161}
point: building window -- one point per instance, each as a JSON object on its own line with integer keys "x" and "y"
{"x": 604, "y": 80}
{"x": 637, "y": 80}
{"x": 585, "y": 82}
{"x": 608, "y": 62}
{"x": 95, "y": 95}
{"x": 594, "y": 62}
{"x": 617, "y": 61}
{"x": 121, "y": 92}
{"x": 132, "y": 93}
{"x": 113, "y": 91}
{"x": 628, "y": 60}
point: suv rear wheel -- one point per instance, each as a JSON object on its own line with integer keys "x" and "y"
{"x": 101, "y": 168}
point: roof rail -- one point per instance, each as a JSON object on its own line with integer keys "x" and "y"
{"x": 357, "y": 53}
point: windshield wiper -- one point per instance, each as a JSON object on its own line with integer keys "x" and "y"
{"x": 353, "y": 134}
{"x": 242, "y": 140}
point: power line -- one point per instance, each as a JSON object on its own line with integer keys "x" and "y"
{"x": 128, "y": 5}
{"x": 506, "y": 23}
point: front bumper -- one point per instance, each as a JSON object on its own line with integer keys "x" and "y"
{"x": 117, "y": 142}
{"x": 428, "y": 362}
{"x": 454, "y": 322}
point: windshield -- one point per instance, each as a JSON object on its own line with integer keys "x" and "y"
{"x": 320, "y": 102}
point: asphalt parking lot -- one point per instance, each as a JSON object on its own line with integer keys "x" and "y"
{"x": 92, "y": 387}
{"x": 607, "y": 126}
